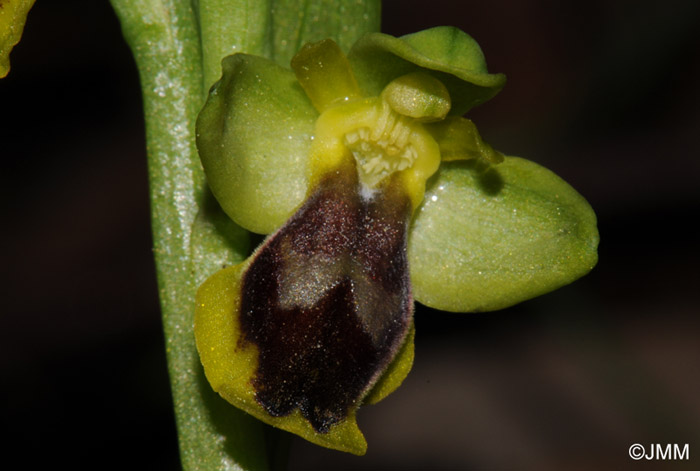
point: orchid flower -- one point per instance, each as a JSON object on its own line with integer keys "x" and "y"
{"x": 375, "y": 193}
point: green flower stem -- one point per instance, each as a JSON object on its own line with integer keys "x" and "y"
{"x": 164, "y": 38}
{"x": 178, "y": 47}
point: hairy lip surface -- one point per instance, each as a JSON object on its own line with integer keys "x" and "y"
{"x": 327, "y": 300}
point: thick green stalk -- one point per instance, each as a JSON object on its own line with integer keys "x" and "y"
{"x": 178, "y": 46}
{"x": 164, "y": 37}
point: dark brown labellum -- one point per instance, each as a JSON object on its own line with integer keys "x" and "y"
{"x": 327, "y": 300}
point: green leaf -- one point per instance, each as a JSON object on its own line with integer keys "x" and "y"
{"x": 232, "y": 26}
{"x": 487, "y": 238}
{"x": 296, "y": 23}
{"x": 447, "y": 53}
{"x": 13, "y": 14}
{"x": 276, "y": 29}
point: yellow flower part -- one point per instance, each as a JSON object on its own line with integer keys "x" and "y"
{"x": 384, "y": 135}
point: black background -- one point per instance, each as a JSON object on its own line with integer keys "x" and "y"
{"x": 603, "y": 93}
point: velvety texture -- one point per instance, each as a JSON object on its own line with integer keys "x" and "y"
{"x": 327, "y": 301}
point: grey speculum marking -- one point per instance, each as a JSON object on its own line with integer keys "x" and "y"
{"x": 327, "y": 300}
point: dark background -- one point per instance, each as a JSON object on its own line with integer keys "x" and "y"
{"x": 605, "y": 93}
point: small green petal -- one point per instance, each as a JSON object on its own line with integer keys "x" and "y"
{"x": 324, "y": 73}
{"x": 13, "y": 14}
{"x": 459, "y": 139}
{"x": 450, "y": 55}
{"x": 254, "y": 136}
{"x": 485, "y": 240}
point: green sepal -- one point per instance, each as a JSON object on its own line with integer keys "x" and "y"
{"x": 447, "y": 53}
{"x": 489, "y": 237}
{"x": 13, "y": 15}
{"x": 254, "y": 136}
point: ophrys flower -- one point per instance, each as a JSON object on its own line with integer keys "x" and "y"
{"x": 376, "y": 191}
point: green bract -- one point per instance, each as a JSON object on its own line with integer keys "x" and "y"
{"x": 370, "y": 181}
